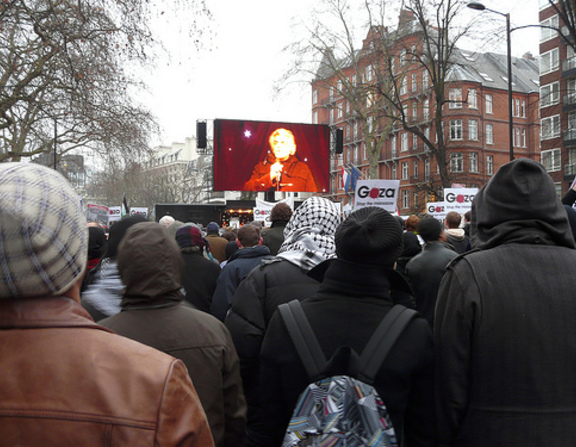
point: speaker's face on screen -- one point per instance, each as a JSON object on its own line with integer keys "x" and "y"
{"x": 282, "y": 144}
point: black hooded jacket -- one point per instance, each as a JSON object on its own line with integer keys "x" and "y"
{"x": 504, "y": 326}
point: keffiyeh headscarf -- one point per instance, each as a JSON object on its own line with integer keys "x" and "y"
{"x": 309, "y": 235}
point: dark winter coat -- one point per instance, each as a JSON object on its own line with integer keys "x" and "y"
{"x": 425, "y": 272}
{"x": 504, "y": 328}
{"x": 411, "y": 248}
{"x": 152, "y": 314}
{"x": 272, "y": 283}
{"x": 350, "y": 303}
{"x": 235, "y": 270}
{"x": 296, "y": 176}
{"x": 458, "y": 240}
{"x": 217, "y": 247}
{"x": 274, "y": 236}
{"x": 199, "y": 276}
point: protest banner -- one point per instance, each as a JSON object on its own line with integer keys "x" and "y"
{"x": 380, "y": 193}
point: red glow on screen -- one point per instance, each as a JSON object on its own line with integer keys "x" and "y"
{"x": 263, "y": 156}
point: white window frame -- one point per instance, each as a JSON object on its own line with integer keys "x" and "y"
{"x": 455, "y": 97}
{"x": 489, "y": 133}
{"x": 547, "y": 33}
{"x": 472, "y": 98}
{"x": 405, "y": 171}
{"x": 549, "y": 61}
{"x": 394, "y": 173}
{"x": 489, "y": 164}
{"x": 551, "y": 159}
{"x": 474, "y": 162}
{"x": 405, "y": 199}
{"x": 404, "y": 142}
{"x": 393, "y": 151}
{"x": 414, "y": 83}
{"x": 315, "y": 96}
{"x": 404, "y": 86}
{"x": 489, "y": 103}
{"x": 550, "y": 127}
{"x": 549, "y": 94}
{"x": 456, "y": 162}
{"x": 473, "y": 130}
{"x": 456, "y": 130}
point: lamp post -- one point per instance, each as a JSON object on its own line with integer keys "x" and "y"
{"x": 480, "y": 7}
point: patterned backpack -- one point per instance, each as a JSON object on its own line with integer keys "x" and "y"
{"x": 341, "y": 410}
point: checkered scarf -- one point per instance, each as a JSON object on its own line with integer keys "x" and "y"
{"x": 309, "y": 235}
{"x": 43, "y": 234}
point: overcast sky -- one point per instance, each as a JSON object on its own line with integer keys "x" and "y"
{"x": 235, "y": 79}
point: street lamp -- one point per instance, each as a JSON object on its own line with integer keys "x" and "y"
{"x": 480, "y": 7}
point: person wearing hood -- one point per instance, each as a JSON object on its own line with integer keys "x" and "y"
{"x": 250, "y": 254}
{"x": 153, "y": 314}
{"x": 356, "y": 293}
{"x": 504, "y": 325}
{"x": 102, "y": 296}
{"x": 199, "y": 274}
{"x": 455, "y": 235}
{"x": 309, "y": 240}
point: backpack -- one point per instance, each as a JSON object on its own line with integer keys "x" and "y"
{"x": 341, "y": 410}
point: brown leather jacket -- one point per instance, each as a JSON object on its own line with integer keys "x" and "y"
{"x": 67, "y": 381}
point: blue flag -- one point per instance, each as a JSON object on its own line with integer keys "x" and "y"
{"x": 355, "y": 174}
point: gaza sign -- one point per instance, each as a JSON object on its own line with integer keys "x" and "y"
{"x": 380, "y": 193}
{"x": 459, "y": 199}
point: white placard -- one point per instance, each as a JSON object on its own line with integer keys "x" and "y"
{"x": 263, "y": 209}
{"x": 459, "y": 199}
{"x": 437, "y": 210}
{"x": 114, "y": 214}
{"x": 381, "y": 193}
{"x": 142, "y": 210}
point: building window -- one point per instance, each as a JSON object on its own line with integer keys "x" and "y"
{"x": 427, "y": 169}
{"x": 405, "y": 199}
{"x": 523, "y": 137}
{"x": 549, "y": 61}
{"x": 404, "y": 142}
{"x": 549, "y": 94}
{"x": 472, "y": 98}
{"x": 455, "y": 129}
{"x": 340, "y": 110}
{"x": 517, "y": 137}
{"x": 314, "y": 96}
{"x": 488, "y": 103}
{"x": 473, "y": 162}
{"x": 455, "y": 96}
{"x": 414, "y": 85}
{"x": 490, "y": 164}
{"x": 404, "y": 170}
{"x": 489, "y": 134}
{"x": 393, "y": 146}
{"x": 550, "y": 127}
{"x": 415, "y": 168}
{"x": 425, "y": 80}
{"x": 414, "y": 141}
{"x": 402, "y": 56}
{"x": 394, "y": 174}
{"x": 473, "y": 130}
{"x": 404, "y": 86}
{"x": 547, "y": 33}
{"x": 426, "y": 111}
{"x": 523, "y": 108}
{"x": 314, "y": 117}
{"x": 517, "y": 107}
{"x": 551, "y": 159}
{"x": 456, "y": 162}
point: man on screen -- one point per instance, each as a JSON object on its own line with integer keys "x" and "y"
{"x": 281, "y": 170}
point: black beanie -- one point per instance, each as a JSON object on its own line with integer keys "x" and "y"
{"x": 429, "y": 229}
{"x": 370, "y": 235}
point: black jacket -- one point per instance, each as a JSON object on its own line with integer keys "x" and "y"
{"x": 504, "y": 327}
{"x": 238, "y": 266}
{"x": 425, "y": 272}
{"x": 199, "y": 276}
{"x": 272, "y": 283}
{"x": 349, "y": 305}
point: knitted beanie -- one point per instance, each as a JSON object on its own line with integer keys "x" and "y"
{"x": 370, "y": 235}
{"x": 189, "y": 236}
{"x": 43, "y": 233}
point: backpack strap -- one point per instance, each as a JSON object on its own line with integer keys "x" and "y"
{"x": 303, "y": 337}
{"x": 385, "y": 336}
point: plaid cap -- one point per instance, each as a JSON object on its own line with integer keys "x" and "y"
{"x": 188, "y": 236}
{"x": 43, "y": 233}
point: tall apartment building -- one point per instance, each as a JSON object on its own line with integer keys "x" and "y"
{"x": 557, "y": 100}
{"x": 475, "y": 121}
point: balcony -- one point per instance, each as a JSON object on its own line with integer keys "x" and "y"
{"x": 569, "y": 67}
{"x": 568, "y": 102}
{"x": 569, "y": 172}
{"x": 569, "y": 137}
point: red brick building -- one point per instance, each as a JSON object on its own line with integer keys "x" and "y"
{"x": 475, "y": 122}
{"x": 557, "y": 100}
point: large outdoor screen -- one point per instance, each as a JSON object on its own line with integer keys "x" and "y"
{"x": 268, "y": 156}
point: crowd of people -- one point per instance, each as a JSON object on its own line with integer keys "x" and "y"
{"x": 169, "y": 333}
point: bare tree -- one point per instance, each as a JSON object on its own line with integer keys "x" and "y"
{"x": 372, "y": 77}
{"x": 67, "y": 73}
{"x": 566, "y": 10}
